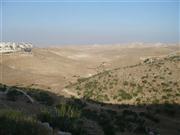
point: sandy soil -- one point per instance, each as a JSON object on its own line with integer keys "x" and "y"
{"x": 54, "y": 68}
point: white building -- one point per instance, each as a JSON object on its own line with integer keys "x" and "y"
{"x": 8, "y": 47}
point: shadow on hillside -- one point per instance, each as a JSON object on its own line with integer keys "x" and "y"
{"x": 112, "y": 118}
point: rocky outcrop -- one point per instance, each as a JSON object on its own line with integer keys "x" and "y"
{"x": 9, "y": 47}
{"x": 63, "y": 133}
{"x": 47, "y": 126}
{"x": 156, "y": 59}
{"x": 50, "y": 129}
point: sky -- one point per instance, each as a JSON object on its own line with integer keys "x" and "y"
{"x": 46, "y": 22}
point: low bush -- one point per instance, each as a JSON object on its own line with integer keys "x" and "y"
{"x": 66, "y": 110}
{"x": 78, "y": 103}
{"x": 169, "y": 109}
{"x": 13, "y": 94}
{"x": 41, "y": 96}
{"x": 16, "y": 123}
{"x": 2, "y": 87}
{"x": 105, "y": 121}
{"x": 90, "y": 114}
{"x": 81, "y": 79}
{"x": 149, "y": 116}
{"x": 124, "y": 95}
{"x": 125, "y": 83}
{"x": 64, "y": 117}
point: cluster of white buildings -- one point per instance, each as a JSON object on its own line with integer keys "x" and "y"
{"x": 8, "y": 47}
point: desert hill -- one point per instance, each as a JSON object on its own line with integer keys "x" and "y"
{"x": 54, "y": 68}
{"x": 154, "y": 80}
{"x": 109, "y": 90}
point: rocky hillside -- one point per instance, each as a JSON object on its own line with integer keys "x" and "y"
{"x": 155, "y": 80}
{"x": 27, "y": 111}
{"x": 142, "y": 99}
{"x": 54, "y": 68}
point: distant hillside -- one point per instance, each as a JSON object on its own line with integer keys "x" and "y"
{"x": 153, "y": 81}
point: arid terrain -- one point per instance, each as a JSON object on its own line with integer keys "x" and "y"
{"x": 93, "y": 90}
{"x": 54, "y": 68}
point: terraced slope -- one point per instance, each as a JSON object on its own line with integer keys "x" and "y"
{"x": 155, "y": 80}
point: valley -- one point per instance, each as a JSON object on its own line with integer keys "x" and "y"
{"x": 91, "y": 90}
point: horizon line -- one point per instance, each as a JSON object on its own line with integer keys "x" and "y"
{"x": 90, "y": 1}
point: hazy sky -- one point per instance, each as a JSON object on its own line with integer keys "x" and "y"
{"x": 75, "y": 22}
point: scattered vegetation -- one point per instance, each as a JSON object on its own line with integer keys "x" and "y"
{"x": 124, "y": 95}
{"x": 41, "y": 96}
{"x": 140, "y": 83}
{"x": 63, "y": 117}
{"x": 16, "y": 123}
{"x": 152, "y": 82}
{"x": 2, "y": 88}
{"x": 13, "y": 94}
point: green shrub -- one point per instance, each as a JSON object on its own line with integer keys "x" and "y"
{"x": 132, "y": 84}
{"x": 105, "y": 121}
{"x": 125, "y": 83}
{"x": 144, "y": 81}
{"x": 127, "y": 120}
{"x": 66, "y": 110}
{"x": 41, "y": 96}
{"x": 149, "y": 116}
{"x": 81, "y": 79}
{"x": 138, "y": 100}
{"x": 108, "y": 129}
{"x": 78, "y": 88}
{"x": 88, "y": 94}
{"x": 16, "y": 123}
{"x": 13, "y": 94}
{"x": 140, "y": 129}
{"x": 124, "y": 95}
{"x": 77, "y": 103}
{"x": 91, "y": 84}
{"x": 64, "y": 117}
{"x": 2, "y": 87}
{"x": 169, "y": 109}
{"x": 90, "y": 114}
{"x": 129, "y": 112}
{"x": 155, "y": 101}
{"x": 45, "y": 116}
{"x": 165, "y": 97}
